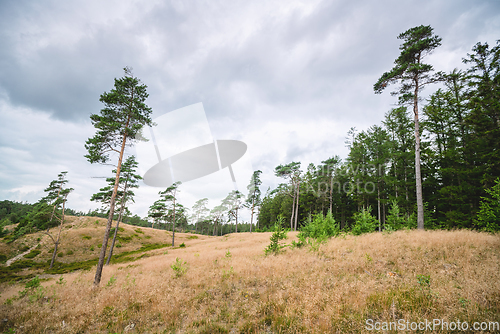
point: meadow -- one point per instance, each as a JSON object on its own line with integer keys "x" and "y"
{"x": 227, "y": 285}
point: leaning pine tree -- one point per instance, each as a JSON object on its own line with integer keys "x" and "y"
{"x": 413, "y": 75}
{"x": 57, "y": 196}
{"x": 120, "y": 121}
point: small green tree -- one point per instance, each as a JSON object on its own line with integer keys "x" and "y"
{"x": 179, "y": 267}
{"x": 275, "y": 247}
{"x": 120, "y": 121}
{"x": 364, "y": 222}
{"x": 488, "y": 217}
{"x": 321, "y": 227}
{"x": 394, "y": 221}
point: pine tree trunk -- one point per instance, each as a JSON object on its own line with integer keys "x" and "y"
{"x": 251, "y": 217}
{"x": 102, "y": 255}
{"x": 297, "y": 206}
{"x": 420, "y": 204}
{"x": 293, "y": 207}
{"x": 378, "y": 204}
{"x": 56, "y": 243}
{"x": 54, "y": 255}
{"x": 173, "y": 225}
{"x": 117, "y": 223}
{"x": 114, "y": 235}
{"x": 331, "y": 194}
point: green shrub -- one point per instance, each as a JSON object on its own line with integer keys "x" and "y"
{"x": 33, "y": 290}
{"x": 179, "y": 267}
{"x": 112, "y": 230}
{"x": 60, "y": 254}
{"x": 70, "y": 252}
{"x": 321, "y": 227}
{"x": 111, "y": 281}
{"x": 86, "y": 237}
{"x": 124, "y": 238}
{"x": 279, "y": 234}
{"x": 183, "y": 245}
{"x": 32, "y": 254}
{"x": 364, "y": 222}
{"x": 394, "y": 221}
{"x": 488, "y": 217}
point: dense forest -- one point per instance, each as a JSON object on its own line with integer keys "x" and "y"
{"x": 460, "y": 160}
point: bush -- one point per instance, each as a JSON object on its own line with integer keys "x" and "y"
{"x": 33, "y": 290}
{"x": 488, "y": 217}
{"x": 3, "y": 232}
{"x": 32, "y": 254}
{"x": 394, "y": 220}
{"x": 364, "y": 222}
{"x": 179, "y": 267}
{"x": 321, "y": 227}
{"x": 279, "y": 234}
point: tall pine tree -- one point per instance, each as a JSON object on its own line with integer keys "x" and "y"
{"x": 120, "y": 121}
{"x": 413, "y": 75}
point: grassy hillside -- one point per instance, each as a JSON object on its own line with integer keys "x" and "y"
{"x": 227, "y": 285}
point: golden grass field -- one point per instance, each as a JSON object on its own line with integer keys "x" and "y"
{"x": 231, "y": 287}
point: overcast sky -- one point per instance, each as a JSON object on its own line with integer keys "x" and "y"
{"x": 288, "y": 78}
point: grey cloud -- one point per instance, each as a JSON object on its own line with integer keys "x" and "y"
{"x": 250, "y": 63}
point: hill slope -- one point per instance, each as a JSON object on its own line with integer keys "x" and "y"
{"x": 230, "y": 286}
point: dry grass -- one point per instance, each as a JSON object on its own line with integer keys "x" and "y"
{"x": 333, "y": 290}
{"x": 81, "y": 237}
